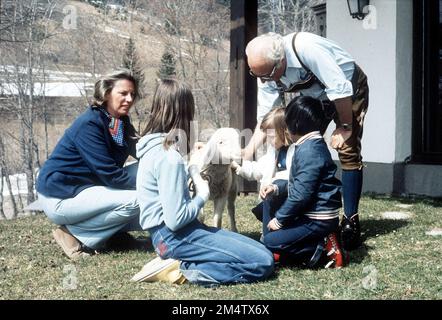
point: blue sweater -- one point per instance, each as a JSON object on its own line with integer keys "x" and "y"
{"x": 312, "y": 187}
{"x": 87, "y": 156}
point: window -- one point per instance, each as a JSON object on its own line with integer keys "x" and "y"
{"x": 427, "y": 95}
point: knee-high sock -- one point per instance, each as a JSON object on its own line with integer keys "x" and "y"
{"x": 351, "y": 189}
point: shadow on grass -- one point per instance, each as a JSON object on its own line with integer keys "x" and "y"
{"x": 411, "y": 199}
{"x": 375, "y": 227}
{"x": 125, "y": 242}
{"x": 370, "y": 229}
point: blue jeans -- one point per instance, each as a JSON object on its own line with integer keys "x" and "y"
{"x": 212, "y": 256}
{"x": 96, "y": 213}
{"x": 301, "y": 241}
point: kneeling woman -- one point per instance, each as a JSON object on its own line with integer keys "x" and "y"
{"x": 188, "y": 250}
{"x": 83, "y": 186}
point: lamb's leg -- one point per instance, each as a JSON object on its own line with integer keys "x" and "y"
{"x": 218, "y": 208}
{"x": 231, "y": 205}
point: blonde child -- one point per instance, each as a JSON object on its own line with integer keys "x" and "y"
{"x": 275, "y": 164}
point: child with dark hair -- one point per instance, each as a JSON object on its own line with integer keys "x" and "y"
{"x": 301, "y": 215}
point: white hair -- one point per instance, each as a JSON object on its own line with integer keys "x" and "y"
{"x": 272, "y": 43}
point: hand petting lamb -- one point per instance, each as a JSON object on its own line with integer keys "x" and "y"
{"x": 214, "y": 162}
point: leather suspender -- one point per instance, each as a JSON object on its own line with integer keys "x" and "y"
{"x": 310, "y": 80}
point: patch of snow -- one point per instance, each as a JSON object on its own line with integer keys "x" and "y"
{"x": 434, "y": 232}
{"x": 396, "y": 215}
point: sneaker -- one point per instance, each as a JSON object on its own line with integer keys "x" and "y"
{"x": 70, "y": 245}
{"x": 350, "y": 232}
{"x": 158, "y": 269}
{"x": 336, "y": 257}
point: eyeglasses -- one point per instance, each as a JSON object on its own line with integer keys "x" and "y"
{"x": 268, "y": 77}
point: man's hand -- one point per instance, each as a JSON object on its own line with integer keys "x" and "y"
{"x": 266, "y": 191}
{"x": 345, "y": 114}
{"x": 273, "y": 225}
{"x": 338, "y": 137}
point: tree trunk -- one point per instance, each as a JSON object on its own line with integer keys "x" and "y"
{"x": 5, "y": 174}
{"x": 2, "y": 213}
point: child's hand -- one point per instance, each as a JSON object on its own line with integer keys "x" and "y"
{"x": 274, "y": 225}
{"x": 267, "y": 191}
{"x": 235, "y": 165}
{"x": 201, "y": 185}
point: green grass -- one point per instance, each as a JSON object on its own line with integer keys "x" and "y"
{"x": 397, "y": 261}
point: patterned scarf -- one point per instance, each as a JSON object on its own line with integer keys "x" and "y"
{"x": 116, "y": 128}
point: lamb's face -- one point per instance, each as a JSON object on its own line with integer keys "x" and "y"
{"x": 228, "y": 146}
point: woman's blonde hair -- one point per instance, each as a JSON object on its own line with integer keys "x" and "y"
{"x": 275, "y": 119}
{"x": 106, "y": 83}
{"x": 173, "y": 109}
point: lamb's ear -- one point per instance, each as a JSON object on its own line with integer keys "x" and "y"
{"x": 204, "y": 155}
{"x": 209, "y": 151}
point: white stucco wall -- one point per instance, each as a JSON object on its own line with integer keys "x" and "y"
{"x": 374, "y": 44}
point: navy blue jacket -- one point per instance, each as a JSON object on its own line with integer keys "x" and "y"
{"x": 87, "y": 156}
{"x": 312, "y": 186}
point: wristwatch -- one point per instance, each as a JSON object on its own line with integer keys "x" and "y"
{"x": 346, "y": 126}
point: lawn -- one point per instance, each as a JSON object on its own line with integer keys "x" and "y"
{"x": 398, "y": 260}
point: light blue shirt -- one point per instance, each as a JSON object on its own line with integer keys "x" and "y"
{"x": 332, "y": 65}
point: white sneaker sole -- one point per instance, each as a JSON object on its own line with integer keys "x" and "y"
{"x": 152, "y": 268}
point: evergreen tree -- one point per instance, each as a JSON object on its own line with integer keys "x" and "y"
{"x": 131, "y": 62}
{"x": 168, "y": 64}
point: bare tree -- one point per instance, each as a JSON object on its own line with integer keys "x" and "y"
{"x": 2, "y": 212}
{"x": 285, "y": 16}
{"x": 26, "y": 34}
{"x": 5, "y": 175}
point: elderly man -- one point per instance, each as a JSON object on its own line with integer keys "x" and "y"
{"x": 314, "y": 66}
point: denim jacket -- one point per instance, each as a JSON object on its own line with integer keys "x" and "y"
{"x": 312, "y": 188}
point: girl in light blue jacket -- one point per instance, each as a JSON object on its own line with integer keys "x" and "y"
{"x": 187, "y": 249}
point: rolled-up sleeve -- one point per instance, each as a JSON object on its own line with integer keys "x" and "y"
{"x": 324, "y": 59}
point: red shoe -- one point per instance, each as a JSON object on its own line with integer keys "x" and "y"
{"x": 336, "y": 256}
{"x": 276, "y": 257}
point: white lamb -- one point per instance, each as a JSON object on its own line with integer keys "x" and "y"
{"x": 214, "y": 161}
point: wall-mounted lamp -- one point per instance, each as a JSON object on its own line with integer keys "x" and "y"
{"x": 356, "y": 8}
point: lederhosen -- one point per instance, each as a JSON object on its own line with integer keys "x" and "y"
{"x": 350, "y": 153}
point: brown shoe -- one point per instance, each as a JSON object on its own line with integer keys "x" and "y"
{"x": 70, "y": 245}
{"x": 167, "y": 270}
